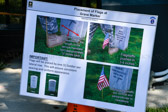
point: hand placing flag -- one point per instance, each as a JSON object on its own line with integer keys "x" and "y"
{"x": 106, "y": 40}
{"x": 103, "y": 82}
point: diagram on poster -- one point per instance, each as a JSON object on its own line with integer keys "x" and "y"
{"x": 87, "y": 56}
{"x": 62, "y": 37}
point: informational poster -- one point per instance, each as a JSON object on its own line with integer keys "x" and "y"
{"x": 87, "y": 56}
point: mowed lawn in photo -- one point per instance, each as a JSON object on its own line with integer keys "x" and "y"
{"x": 106, "y": 95}
{"x": 99, "y": 54}
{"x": 41, "y": 47}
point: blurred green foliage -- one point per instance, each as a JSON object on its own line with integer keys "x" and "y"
{"x": 14, "y": 6}
{"x": 2, "y": 1}
{"x": 160, "y": 109}
{"x": 19, "y": 7}
{"x": 85, "y": 3}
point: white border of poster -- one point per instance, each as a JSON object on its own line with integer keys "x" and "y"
{"x": 70, "y": 74}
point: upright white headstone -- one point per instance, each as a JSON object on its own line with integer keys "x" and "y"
{"x": 73, "y": 29}
{"x": 33, "y": 81}
{"x": 120, "y": 78}
{"x": 107, "y": 28}
{"x": 122, "y": 35}
{"x": 52, "y": 85}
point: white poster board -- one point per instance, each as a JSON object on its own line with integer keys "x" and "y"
{"x": 74, "y": 54}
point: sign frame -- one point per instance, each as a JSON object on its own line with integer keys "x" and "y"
{"x": 71, "y": 73}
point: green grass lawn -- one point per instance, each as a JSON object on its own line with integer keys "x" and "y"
{"x": 91, "y": 91}
{"x": 161, "y": 109}
{"x": 99, "y": 54}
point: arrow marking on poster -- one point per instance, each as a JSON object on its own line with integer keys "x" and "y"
{"x": 70, "y": 31}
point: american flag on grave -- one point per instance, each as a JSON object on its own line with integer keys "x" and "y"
{"x": 106, "y": 40}
{"x": 102, "y": 82}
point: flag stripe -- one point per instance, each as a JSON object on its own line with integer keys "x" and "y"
{"x": 102, "y": 82}
{"x": 106, "y": 40}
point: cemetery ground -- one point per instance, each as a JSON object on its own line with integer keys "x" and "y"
{"x": 100, "y": 54}
{"x": 11, "y": 101}
{"x": 106, "y": 95}
{"x": 61, "y": 50}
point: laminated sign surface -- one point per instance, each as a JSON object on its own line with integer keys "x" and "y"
{"x": 87, "y": 56}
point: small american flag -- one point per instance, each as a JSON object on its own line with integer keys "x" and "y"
{"x": 103, "y": 82}
{"x": 106, "y": 40}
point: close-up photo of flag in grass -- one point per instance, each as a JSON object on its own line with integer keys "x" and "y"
{"x": 99, "y": 85}
{"x": 127, "y": 40}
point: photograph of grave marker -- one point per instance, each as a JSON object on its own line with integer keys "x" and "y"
{"x": 33, "y": 82}
{"x": 76, "y": 30}
{"x": 122, "y": 35}
{"x": 59, "y": 36}
{"x": 112, "y": 41}
{"x": 120, "y": 78}
{"x": 51, "y": 85}
{"x": 118, "y": 87}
